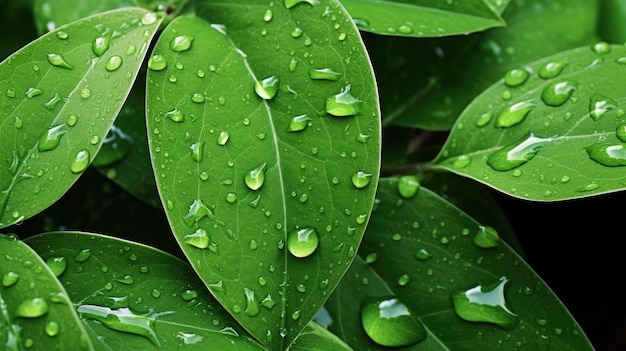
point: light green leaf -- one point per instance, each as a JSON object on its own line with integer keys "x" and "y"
{"x": 266, "y": 192}
{"x": 60, "y": 95}
{"x": 50, "y": 15}
{"x": 455, "y": 284}
{"x": 551, "y": 130}
{"x": 316, "y": 338}
{"x": 135, "y": 297}
{"x": 424, "y": 18}
{"x": 35, "y": 310}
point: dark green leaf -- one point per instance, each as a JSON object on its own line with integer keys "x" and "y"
{"x": 35, "y": 310}
{"x": 240, "y": 172}
{"x": 316, "y": 338}
{"x": 134, "y": 297}
{"x": 612, "y": 21}
{"x": 60, "y": 94}
{"x": 50, "y": 15}
{"x": 432, "y": 258}
{"x": 424, "y": 18}
{"x": 551, "y": 130}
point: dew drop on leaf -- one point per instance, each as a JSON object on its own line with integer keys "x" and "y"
{"x": 302, "y": 242}
{"x": 252, "y": 305}
{"x": 10, "y": 279}
{"x": 408, "y": 186}
{"x": 32, "y": 308}
{"x": 516, "y": 154}
{"x": 299, "y": 123}
{"x": 80, "y": 161}
{"x": 57, "y": 264}
{"x": 199, "y": 239}
{"x": 267, "y": 88}
{"x": 197, "y": 211}
{"x": 558, "y": 92}
{"x": 601, "y": 48}
{"x": 181, "y": 43}
{"x": 175, "y": 115}
{"x": 255, "y": 178}
{"x": 59, "y": 61}
{"x": 113, "y": 63}
{"x": 552, "y": 69}
{"x": 608, "y": 154}
{"x": 486, "y": 237}
{"x": 361, "y": 179}
{"x": 343, "y": 104}
{"x": 600, "y": 105}
{"x": 51, "y": 139}
{"x": 52, "y": 328}
{"x": 324, "y": 74}
{"x": 516, "y": 77}
{"x": 100, "y": 45}
{"x": 222, "y": 138}
{"x": 389, "y": 322}
{"x": 197, "y": 151}
{"x": 515, "y": 113}
{"x": 157, "y": 62}
{"x": 32, "y": 92}
{"x": 423, "y": 255}
{"x": 189, "y": 295}
{"x": 291, "y": 3}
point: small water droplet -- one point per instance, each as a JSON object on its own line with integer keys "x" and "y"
{"x": 126, "y": 279}
{"x": 343, "y": 104}
{"x": 267, "y": 88}
{"x": 57, "y": 264}
{"x": 175, "y": 115}
{"x": 62, "y": 35}
{"x": 408, "y": 186}
{"x": 324, "y": 74}
{"x": 157, "y": 62}
{"x": 371, "y": 258}
{"x": 267, "y": 16}
{"x": 601, "y": 48}
{"x": 516, "y": 77}
{"x": 222, "y": 138}
{"x": 302, "y": 242}
{"x": 32, "y": 92}
{"x": 389, "y": 322}
{"x": 181, "y": 43}
{"x": 558, "y": 92}
{"x": 485, "y": 304}
{"x": 149, "y": 18}
{"x": 552, "y": 69}
{"x": 59, "y": 61}
{"x": 299, "y": 123}
{"x": 197, "y": 211}
{"x": 252, "y": 305}
{"x": 32, "y": 308}
{"x": 255, "y": 178}
{"x": 404, "y": 279}
{"x": 100, "y": 45}
{"x": 361, "y": 179}
{"x": 51, "y": 139}
{"x": 600, "y": 105}
{"x": 52, "y": 328}
{"x": 113, "y": 63}
{"x": 10, "y": 279}
{"x": 515, "y": 113}
{"x": 197, "y": 151}
{"x": 189, "y": 295}
{"x": 231, "y": 198}
{"x": 80, "y": 161}
{"x": 199, "y": 239}
{"x": 516, "y": 154}
{"x": 486, "y": 237}
{"x": 423, "y": 255}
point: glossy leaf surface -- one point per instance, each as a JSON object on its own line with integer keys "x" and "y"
{"x": 552, "y": 130}
{"x": 134, "y": 297}
{"x": 35, "y": 310}
{"x": 316, "y": 338}
{"x": 50, "y": 15}
{"x": 468, "y": 293}
{"x": 246, "y": 156}
{"x": 60, "y": 95}
{"x": 424, "y": 18}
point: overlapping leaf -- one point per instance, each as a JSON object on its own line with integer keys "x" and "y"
{"x": 35, "y": 310}
{"x": 552, "y": 130}
{"x": 249, "y": 176}
{"x": 60, "y": 95}
{"x": 442, "y": 281}
{"x": 424, "y": 18}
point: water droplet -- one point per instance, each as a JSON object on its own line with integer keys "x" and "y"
{"x": 267, "y": 88}
{"x": 516, "y": 154}
{"x": 558, "y": 92}
{"x": 82, "y": 255}
{"x": 552, "y": 69}
{"x": 50, "y": 140}
{"x": 32, "y": 308}
{"x": 231, "y": 198}
{"x": 32, "y": 92}
{"x": 297, "y": 32}
{"x": 599, "y": 105}
{"x": 302, "y": 242}
{"x": 361, "y": 179}
{"x": 52, "y": 328}
{"x": 62, "y": 35}
{"x": 388, "y": 322}
{"x": 404, "y": 280}
{"x": 80, "y": 161}
{"x": 324, "y": 74}
{"x": 343, "y": 104}
{"x": 516, "y": 77}
{"x": 222, "y": 138}
{"x": 10, "y": 279}
{"x": 124, "y": 320}
{"x": 486, "y": 237}
{"x": 197, "y": 211}
{"x": 515, "y": 113}
{"x": 196, "y": 151}
{"x": 85, "y": 93}
{"x": 100, "y": 45}
{"x": 113, "y": 63}
{"x": 267, "y": 16}
{"x": 252, "y": 305}
{"x": 157, "y": 62}
{"x": 71, "y": 120}
{"x": 198, "y": 98}
{"x": 255, "y": 178}
{"x": 371, "y": 258}
{"x": 608, "y": 154}
{"x": 199, "y": 239}
{"x": 59, "y": 61}
{"x": 293, "y": 64}
{"x": 601, "y": 48}
{"x": 175, "y": 115}
{"x": 299, "y": 123}
{"x": 181, "y": 43}
{"x": 57, "y": 265}
{"x": 423, "y": 255}
{"x": 485, "y": 304}
{"x": 126, "y": 279}
{"x": 291, "y": 3}
{"x": 189, "y": 295}
{"x": 52, "y": 103}
{"x": 408, "y": 186}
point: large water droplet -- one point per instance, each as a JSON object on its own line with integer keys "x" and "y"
{"x": 197, "y": 151}
{"x": 291, "y": 3}
{"x": 50, "y": 140}
{"x": 197, "y": 211}
{"x": 552, "y": 69}
{"x": 199, "y": 239}
{"x": 10, "y": 279}
{"x": 324, "y": 74}
{"x": 361, "y": 179}
{"x": 485, "y": 304}
{"x": 299, "y": 123}
{"x": 608, "y": 154}
{"x": 252, "y": 305}
{"x": 302, "y": 242}
{"x": 558, "y": 92}
{"x": 267, "y": 88}
{"x": 124, "y": 320}
{"x": 113, "y": 63}
{"x": 175, "y": 115}
{"x": 59, "y": 61}
{"x": 343, "y": 104}
{"x": 601, "y": 48}
{"x": 255, "y": 178}
{"x": 516, "y": 154}
{"x": 516, "y": 77}
{"x": 222, "y": 138}
{"x": 52, "y": 328}
{"x": 100, "y": 45}
{"x": 388, "y": 322}
{"x": 80, "y": 161}
{"x": 486, "y": 237}
{"x": 32, "y": 308}
{"x": 515, "y": 113}
{"x": 408, "y": 186}
{"x": 32, "y": 92}
{"x": 600, "y": 105}
{"x": 181, "y": 43}
{"x": 57, "y": 265}
{"x": 157, "y": 62}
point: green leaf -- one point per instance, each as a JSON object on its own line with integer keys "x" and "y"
{"x": 135, "y": 297}
{"x": 240, "y": 173}
{"x": 315, "y": 337}
{"x": 551, "y": 130}
{"x": 434, "y": 260}
{"x": 50, "y": 15}
{"x": 60, "y": 95}
{"x": 453, "y": 71}
{"x": 423, "y": 18}
{"x": 35, "y": 310}
{"x": 611, "y": 21}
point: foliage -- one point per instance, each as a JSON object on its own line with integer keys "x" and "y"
{"x": 267, "y": 176}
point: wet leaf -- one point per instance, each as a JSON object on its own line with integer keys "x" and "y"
{"x": 35, "y": 310}
{"x": 424, "y": 18}
{"x": 425, "y": 257}
{"x": 60, "y": 94}
{"x": 316, "y": 338}
{"x": 50, "y": 15}
{"x": 134, "y": 297}
{"x": 556, "y": 134}
{"x": 266, "y": 192}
